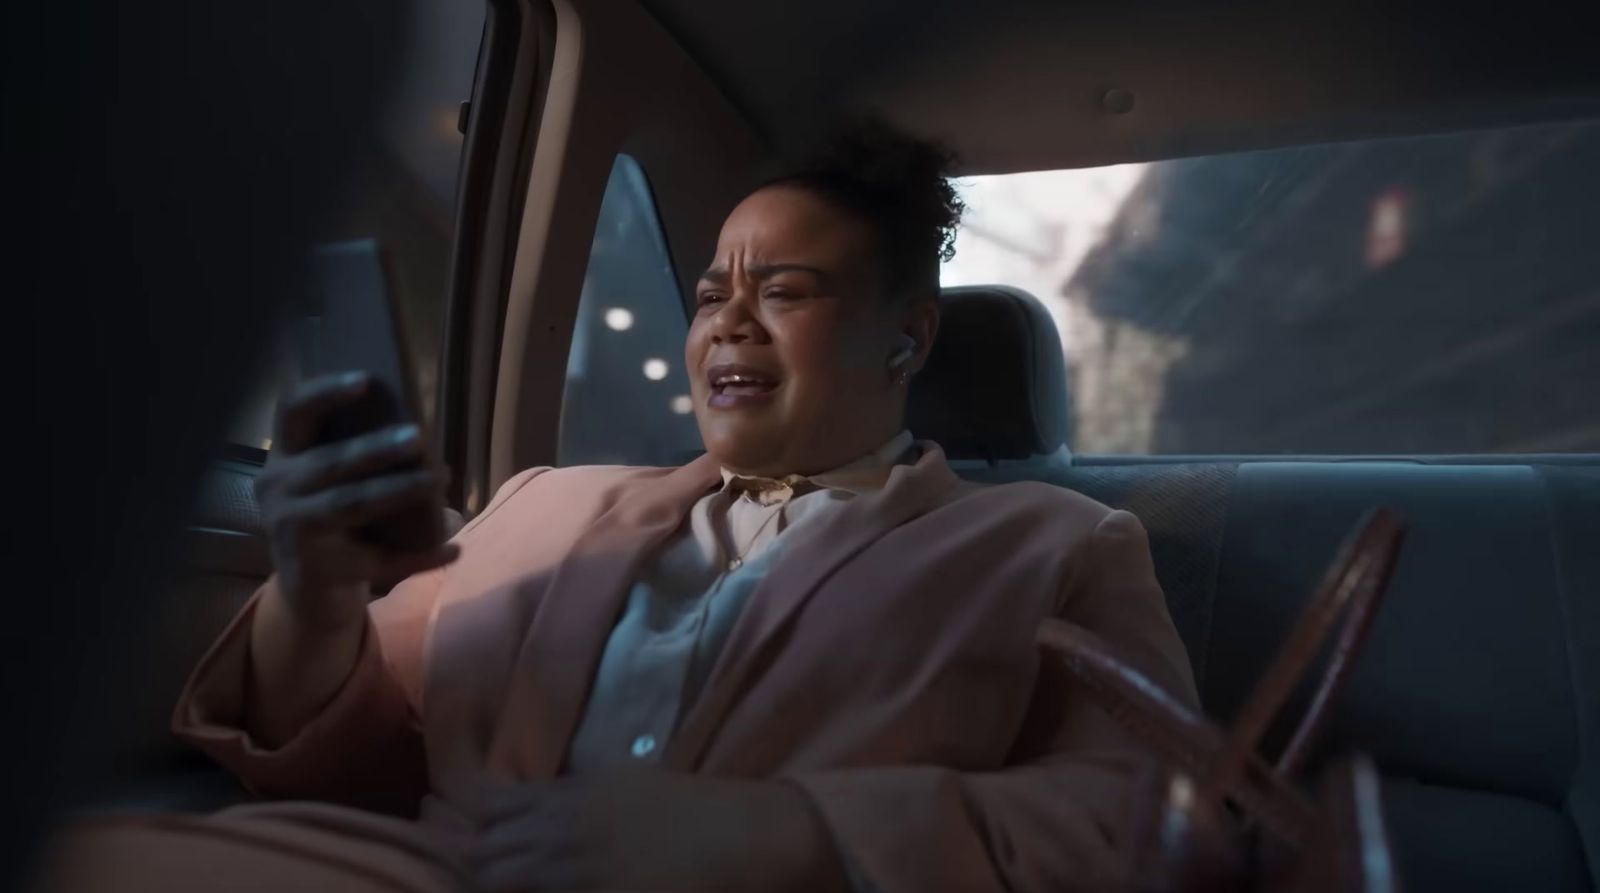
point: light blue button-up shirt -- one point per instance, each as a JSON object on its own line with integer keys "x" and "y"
{"x": 683, "y": 606}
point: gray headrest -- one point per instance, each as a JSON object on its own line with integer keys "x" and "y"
{"x": 995, "y": 385}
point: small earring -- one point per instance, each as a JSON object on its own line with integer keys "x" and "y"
{"x": 900, "y": 359}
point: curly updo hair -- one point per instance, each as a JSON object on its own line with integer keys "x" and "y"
{"x": 900, "y": 186}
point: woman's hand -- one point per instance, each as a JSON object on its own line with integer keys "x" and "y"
{"x": 314, "y": 499}
{"x": 306, "y": 635}
{"x": 653, "y": 831}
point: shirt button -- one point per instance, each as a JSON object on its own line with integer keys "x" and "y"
{"x": 735, "y": 564}
{"x": 644, "y": 745}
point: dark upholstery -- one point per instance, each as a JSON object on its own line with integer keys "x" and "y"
{"x": 1575, "y": 512}
{"x": 1470, "y": 646}
{"x": 1479, "y": 691}
{"x": 995, "y": 384}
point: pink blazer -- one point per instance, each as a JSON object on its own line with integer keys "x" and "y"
{"x": 886, "y": 665}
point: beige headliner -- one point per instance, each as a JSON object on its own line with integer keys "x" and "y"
{"x": 1019, "y": 84}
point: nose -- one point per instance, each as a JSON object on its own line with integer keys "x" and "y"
{"x": 737, "y": 320}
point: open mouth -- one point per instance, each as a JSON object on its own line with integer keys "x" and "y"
{"x": 735, "y": 385}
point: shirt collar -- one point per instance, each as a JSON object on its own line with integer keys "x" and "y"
{"x": 863, "y": 475}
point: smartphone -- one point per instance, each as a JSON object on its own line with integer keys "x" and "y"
{"x": 354, "y": 325}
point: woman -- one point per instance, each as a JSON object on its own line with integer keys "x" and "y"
{"x": 804, "y": 661}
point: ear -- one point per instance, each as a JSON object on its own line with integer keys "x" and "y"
{"x": 921, "y": 326}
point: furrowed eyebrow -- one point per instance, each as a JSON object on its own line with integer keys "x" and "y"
{"x": 760, "y": 272}
{"x": 767, "y": 271}
{"x": 715, "y": 276}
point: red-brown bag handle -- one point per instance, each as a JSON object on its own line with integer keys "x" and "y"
{"x": 1228, "y": 765}
{"x": 1354, "y": 586}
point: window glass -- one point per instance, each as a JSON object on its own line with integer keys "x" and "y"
{"x": 627, "y": 396}
{"x": 1423, "y": 295}
{"x": 402, "y": 194}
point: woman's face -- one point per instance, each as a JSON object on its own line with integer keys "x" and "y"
{"x": 789, "y": 351}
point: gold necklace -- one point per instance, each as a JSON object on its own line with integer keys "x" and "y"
{"x": 737, "y": 561}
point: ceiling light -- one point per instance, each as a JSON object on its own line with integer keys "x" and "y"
{"x": 682, "y": 404}
{"x": 619, "y": 319}
{"x": 655, "y": 368}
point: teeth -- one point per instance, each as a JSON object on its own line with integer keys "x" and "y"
{"x": 725, "y": 380}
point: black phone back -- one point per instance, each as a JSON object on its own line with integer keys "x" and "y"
{"x": 358, "y": 328}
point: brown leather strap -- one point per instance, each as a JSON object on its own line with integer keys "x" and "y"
{"x": 1181, "y": 737}
{"x": 1380, "y": 543}
{"x": 1228, "y": 766}
{"x": 1350, "y": 851}
{"x": 1355, "y": 582}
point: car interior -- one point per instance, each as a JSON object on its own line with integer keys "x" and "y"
{"x": 1478, "y": 694}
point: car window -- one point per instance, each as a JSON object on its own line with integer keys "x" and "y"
{"x": 402, "y": 193}
{"x": 1437, "y": 294}
{"x": 627, "y": 398}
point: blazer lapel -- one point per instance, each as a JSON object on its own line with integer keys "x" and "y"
{"x": 561, "y": 650}
{"x": 805, "y": 563}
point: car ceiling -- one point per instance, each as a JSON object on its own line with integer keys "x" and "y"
{"x": 1029, "y": 84}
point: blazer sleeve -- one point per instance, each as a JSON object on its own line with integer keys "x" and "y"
{"x": 364, "y": 747}
{"x": 1056, "y": 818}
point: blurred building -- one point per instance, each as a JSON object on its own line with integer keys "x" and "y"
{"x": 1426, "y": 295}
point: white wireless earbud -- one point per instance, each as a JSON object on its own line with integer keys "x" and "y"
{"x": 905, "y": 353}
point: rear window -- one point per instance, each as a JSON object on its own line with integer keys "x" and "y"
{"x": 1422, "y": 295}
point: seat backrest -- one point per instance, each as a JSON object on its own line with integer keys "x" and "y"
{"x": 995, "y": 384}
{"x": 1479, "y": 689}
{"x": 1478, "y": 692}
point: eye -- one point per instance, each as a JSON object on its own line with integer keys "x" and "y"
{"x": 708, "y": 298}
{"x": 780, "y": 293}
